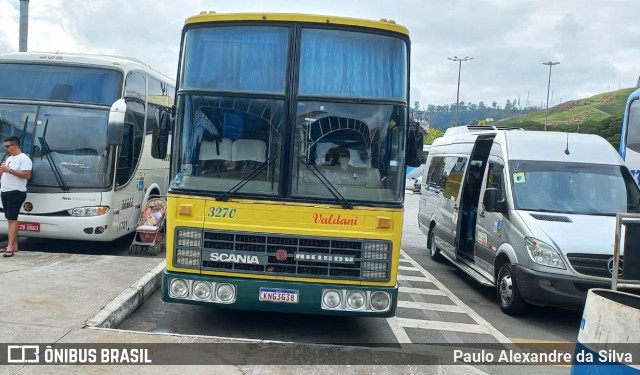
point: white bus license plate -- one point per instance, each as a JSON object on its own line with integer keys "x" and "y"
{"x": 279, "y": 295}
{"x": 28, "y": 227}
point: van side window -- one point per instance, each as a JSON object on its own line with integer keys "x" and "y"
{"x": 454, "y": 166}
{"x": 445, "y": 175}
{"x": 495, "y": 179}
{"x": 436, "y": 178}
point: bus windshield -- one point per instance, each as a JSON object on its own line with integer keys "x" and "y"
{"x": 60, "y": 83}
{"x": 573, "y": 188}
{"x": 633, "y": 130}
{"x": 76, "y": 139}
{"x": 349, "y": 123}
{"x": 630, "y": 142}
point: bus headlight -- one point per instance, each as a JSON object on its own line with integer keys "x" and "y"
{"x": 543, "y": 254}
{"x": 88, "y": 211}
{"x": 178, "y": 288}
{"x": 331, "y": 298}
{"x": 225, "y": 292}
{"x": 202, "y": 290}
{"x": 380, "y": 301}
{"x": 356, "y": 299}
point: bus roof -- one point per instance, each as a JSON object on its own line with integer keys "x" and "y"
{"x": 124, "y": 63}
{"x": 212, "y": 16}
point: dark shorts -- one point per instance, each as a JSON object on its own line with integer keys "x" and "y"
{"x": 12, "y": 201}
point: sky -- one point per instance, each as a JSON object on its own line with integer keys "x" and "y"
{"x": 596, "y": 42}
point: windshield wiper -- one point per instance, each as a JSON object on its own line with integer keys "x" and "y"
{"x": 325, "y": 181}
{"x": 225, "y": 197}
{"x": 47, "y": 154}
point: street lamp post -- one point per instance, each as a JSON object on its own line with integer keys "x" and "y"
{"x": 459, "y": 60}
{"x": 550, "y": 63}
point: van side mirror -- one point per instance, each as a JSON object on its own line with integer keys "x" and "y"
{"x": 491, "y": 202}
{"x": 415, "y": 141}
{"x": 115, "y": 127}
{"x": 160, "y": 136}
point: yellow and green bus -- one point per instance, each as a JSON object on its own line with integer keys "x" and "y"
{"x": 289, "y": 148}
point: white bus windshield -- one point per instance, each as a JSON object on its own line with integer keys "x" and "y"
{"x": 60, "y": 83}
{"x": 76, "y": 138}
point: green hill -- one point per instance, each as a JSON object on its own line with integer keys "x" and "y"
{"x": 596, "y": 108}
{"x": 600, "y": 114}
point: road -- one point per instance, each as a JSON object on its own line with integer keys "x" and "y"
{"x": 437, "y": 304}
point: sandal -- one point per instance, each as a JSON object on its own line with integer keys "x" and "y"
{"x": 4, "y": 249}
{"x": 8, "y": 253}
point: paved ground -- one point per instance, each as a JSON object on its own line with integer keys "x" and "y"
{"x": 61, "y": 299}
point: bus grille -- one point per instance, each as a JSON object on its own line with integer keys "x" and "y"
{"x": 591, "y": 264}
{"x": 286, "y": 255}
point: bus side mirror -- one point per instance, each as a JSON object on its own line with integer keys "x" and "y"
{"x": 115, "y": 127}
{"x": 160, "y": 137}
{"x": 415, "y": 141}
{"x": 491, "y": 202}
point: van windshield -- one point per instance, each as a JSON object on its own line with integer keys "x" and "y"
{"x": 573, "y": 188}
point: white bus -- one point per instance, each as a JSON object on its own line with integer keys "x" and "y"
{"x": 87, "y": 122}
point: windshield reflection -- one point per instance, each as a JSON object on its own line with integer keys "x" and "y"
{"x": 357, "y": 147}
{"x": 574, "y": 188}
{"x": 76, "y": 139}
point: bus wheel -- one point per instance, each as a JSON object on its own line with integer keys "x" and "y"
{"x": 508, "y": 294}
{"x": 434, "y": 252}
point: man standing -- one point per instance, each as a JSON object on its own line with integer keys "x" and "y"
{"x": 14, "y": 173}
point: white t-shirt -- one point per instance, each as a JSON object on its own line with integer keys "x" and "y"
{"x": 9, "y": 182}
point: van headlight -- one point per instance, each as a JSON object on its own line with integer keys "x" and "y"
{"x": 543, "y": 254}
{"x": 88, "y": 211}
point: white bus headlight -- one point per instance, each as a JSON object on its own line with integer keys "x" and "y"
{"x": 178, "y": 288}
{"x": 225, "y": 292}
{"x": 356, "y": 299}
{"x": 543, "y": 254}
{"x": 202, "y": 290}
{"x": 88, "y": 211}
{"x": 380, "y": 301}
{"x": 331, "y": 298}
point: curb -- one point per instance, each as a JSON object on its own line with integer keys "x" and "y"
{"x": 119, "y": 309}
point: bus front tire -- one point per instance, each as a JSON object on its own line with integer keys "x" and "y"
{"x": 434, "y": 252}
{"x": 509, "y": 299}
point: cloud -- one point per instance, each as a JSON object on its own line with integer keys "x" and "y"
{"x": 595, "y": 41}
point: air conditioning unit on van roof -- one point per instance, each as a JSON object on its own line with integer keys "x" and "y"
{"x": 475, "y": 129}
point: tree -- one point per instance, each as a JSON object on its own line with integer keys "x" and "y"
{"x": 432, "y": 134}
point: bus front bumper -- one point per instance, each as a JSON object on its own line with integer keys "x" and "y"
{"x": 278, "y": 296}
{"x": 91, "y": 228}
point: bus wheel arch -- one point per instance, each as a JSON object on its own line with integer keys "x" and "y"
{"x": 153, "y": 191}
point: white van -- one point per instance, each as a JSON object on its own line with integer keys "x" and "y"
{"x": 535, "y": 216}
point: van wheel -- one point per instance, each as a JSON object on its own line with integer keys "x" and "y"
{"x": 508, "y": 294}
{"x": 434, "y": 252}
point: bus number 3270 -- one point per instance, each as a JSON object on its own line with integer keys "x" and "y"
{"x": 222, "y": 212}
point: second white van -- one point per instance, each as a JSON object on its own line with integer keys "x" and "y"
{"x": 529, "y": 213}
